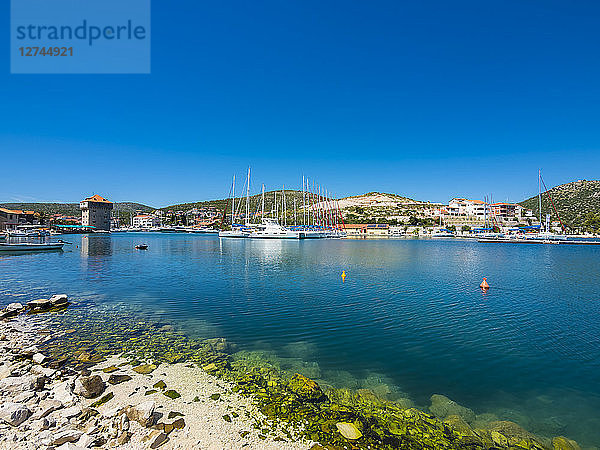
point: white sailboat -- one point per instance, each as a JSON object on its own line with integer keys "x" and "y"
{"x": 237, "y": 230}
{"x": 545, "y": 233}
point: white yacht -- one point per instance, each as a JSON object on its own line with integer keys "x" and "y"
{"x": 236, "y": 232}
{"x": 269, "y": 228}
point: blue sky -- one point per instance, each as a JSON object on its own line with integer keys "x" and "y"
{"x": 428, "y": 99}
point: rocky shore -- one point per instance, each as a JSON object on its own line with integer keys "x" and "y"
{"x": 115, "y": 404}
{"x": 66, "y": 388}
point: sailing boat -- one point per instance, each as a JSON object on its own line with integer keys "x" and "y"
{"x": 238, "y": 230}
{"x": 546, "y": 233}
{"x": 442, "y": 232}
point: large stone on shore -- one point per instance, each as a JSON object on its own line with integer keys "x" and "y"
{"x": 442, "y": 407}
{"x": 63, "y": 392}
{"x": 47, "y": 406}
{"x": 42, "y": 304}
{"x": 70, "y": 446}
{"x": 6, "y": 370}
{"x": 39, "y": 304}
{"x": 11, "y": 310}
{"x": 14, "y": 414}
{"x": 89, "y": 387}
{"x": 63, "y": 437}
{"x": 157, "y": 438}
{"x": 348, "y": 430}
{"x": 563, "y": 443}
{"x": 306, "y": 389}
{"x": 38, "y": 358}
{"x": 59, "y": 299}
{"x": 24, "y": 383}
{"x": 142, "y": 413}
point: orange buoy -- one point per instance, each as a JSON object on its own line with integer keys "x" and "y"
{"x": 343, "y": 275}
{"x": 484, "y": 284}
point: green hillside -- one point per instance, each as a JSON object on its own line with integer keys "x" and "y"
{"x": 578, "y": 204}
{"x": 123, "y": 209}
{"x": 255, "y": 202}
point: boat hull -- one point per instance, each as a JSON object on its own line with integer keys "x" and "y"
{"x": 29, "y": 247}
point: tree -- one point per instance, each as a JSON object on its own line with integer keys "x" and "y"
{"x": 465, "y": 228}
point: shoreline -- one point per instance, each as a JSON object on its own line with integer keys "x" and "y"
{"x": 172, "y": 406}
{"x": 224, "y": 403}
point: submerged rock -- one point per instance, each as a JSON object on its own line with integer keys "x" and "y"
{"x": 458, "y": 424}
{"x": 306, "y": 389}
{"x": 348, "y": 430}
{"x": 172, "y": 394}
{"x": 118, "y": 378}
{"x": 563, "y": 443}
{"x": 442, "y": 407}
{"x": 145, "y": 369}
{"x": 103, "y": 400}
{"x": 160, "y": 385}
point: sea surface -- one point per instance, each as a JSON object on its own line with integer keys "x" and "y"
{"x": 408, "y": 321}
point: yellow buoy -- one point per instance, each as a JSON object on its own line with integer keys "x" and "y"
{"x": 343, "y": 275}
{"x": 484, "y": 284}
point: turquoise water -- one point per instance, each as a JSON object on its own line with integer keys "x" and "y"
{"x": 409, "y": 319}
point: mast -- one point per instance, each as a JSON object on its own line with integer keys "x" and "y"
{"x": 274, "y": 209}
{"x": 540, "y": 196}
{"x": 303, "y": 203}
{"x": 262, "y": 214}
{"x": 233, "y": 201}
{"x": 295, "y": 215}
{"x": 283, "y": 206}
{"x": 248, "y": 198}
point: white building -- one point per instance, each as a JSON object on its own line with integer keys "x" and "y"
{"x": 146, "y": 221}
{"x": 95, "y": 212}
{"x": 463, "y": 207}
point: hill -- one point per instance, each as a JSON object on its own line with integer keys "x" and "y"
{"x": 240, "y": 202}
{"x": 578, "y": 204}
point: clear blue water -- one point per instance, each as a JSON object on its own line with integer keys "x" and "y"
{"x": 409, "y": 314}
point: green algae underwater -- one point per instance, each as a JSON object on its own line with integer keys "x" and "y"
{"x": 335, "y": 418}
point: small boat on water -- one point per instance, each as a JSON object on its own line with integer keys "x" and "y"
{"x": 443, "y": 233}
{"x": 142, "y": 246}
{"x": 26, "y": 246}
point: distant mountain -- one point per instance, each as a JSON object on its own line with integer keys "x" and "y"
{"x": 577, "y": 203}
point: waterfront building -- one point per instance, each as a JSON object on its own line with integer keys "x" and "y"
{"x": 146, "y": 221}
{"x": 95, "y": 212}
{"x": 378, "y": 230}
{"x": 510, "y": 214}
{"x": 366, "y": 230}
{"x": 11, "y": 219}
{"x": 354, "y": 230}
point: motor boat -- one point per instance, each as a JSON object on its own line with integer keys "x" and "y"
{"x": 29, "y": 246}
